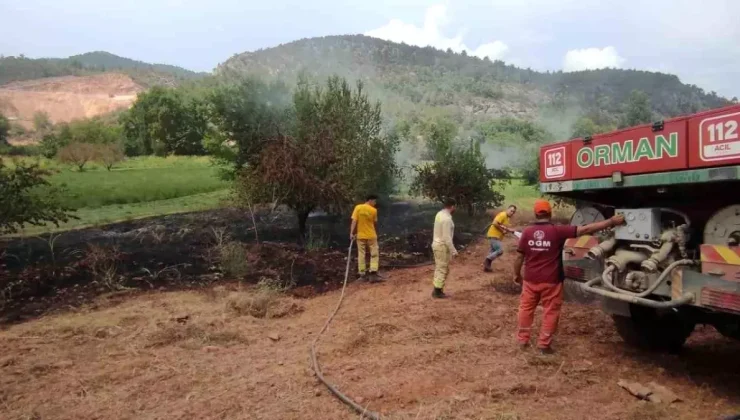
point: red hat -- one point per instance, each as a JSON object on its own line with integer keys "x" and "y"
{"x": 542, "y": 207}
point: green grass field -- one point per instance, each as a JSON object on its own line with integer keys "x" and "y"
{"x": 136, "y": 188}
{"x": 524, "y": 196}
{"x": 93, "y": 189}
{"x": 99, "y": 216}
{"x": 515, "y": 192}
{"x": 152, "y": 186}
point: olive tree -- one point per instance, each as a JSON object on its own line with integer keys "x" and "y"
{"x": 324, "y": 149}
{"x": 26, "y": 197}
{"x": 458, "y": 170}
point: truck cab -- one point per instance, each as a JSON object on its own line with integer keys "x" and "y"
{"x": 675, "y": 262}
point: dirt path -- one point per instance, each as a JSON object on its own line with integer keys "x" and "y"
{"x": 185, "y": 355}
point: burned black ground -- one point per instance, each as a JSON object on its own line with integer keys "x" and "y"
{"x": 64, "y": 271}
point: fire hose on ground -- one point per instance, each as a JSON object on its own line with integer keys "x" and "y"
{"x": 364, "y": 412}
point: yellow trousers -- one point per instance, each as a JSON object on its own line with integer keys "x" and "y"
{"x": 362, "y": 247}
{"x": 442, "y": 257}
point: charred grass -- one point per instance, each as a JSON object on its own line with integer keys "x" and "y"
{"x": 69, "y": 270}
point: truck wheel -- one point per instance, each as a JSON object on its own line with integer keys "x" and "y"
{"x": 651, "y": 329}
{"x": 728, "y": 329}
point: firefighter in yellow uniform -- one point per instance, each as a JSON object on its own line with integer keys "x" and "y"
{"x": 496, "y": 232}
{"x": 442, "y": 246}
{"x": 364, "y": 221}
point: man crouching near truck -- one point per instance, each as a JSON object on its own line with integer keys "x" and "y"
{"x": 540, "y": 250}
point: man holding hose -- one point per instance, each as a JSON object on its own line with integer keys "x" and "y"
{"x": 496, "y": 231}
{"x": 364, "y": 221}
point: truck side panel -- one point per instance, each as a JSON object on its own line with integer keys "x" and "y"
{"x": 555, "y": 162}
{"x": 636, "y": 150}
{"x": 715, "y": 138}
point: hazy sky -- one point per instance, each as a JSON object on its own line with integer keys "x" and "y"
{"x": 697, "y": 40}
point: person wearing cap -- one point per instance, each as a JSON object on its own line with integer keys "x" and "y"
{"x": 496, "y": 231}
{"x": 540, "y": 251}
{"x": 442, "y": 246}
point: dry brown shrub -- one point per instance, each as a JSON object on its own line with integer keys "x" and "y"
{"x": 109, "y": 155}
{"x": 77, "y": 154}
{"x": 262, "y": 303}
{"x": 103, "y": 263}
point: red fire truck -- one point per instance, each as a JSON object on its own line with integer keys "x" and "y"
{"x": 676, "y": 261}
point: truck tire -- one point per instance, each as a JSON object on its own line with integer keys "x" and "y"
{"x": 650, "y": 329}
{"x": 728, "y": 329}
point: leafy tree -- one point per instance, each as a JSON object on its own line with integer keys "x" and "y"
{"x": 248, "y": 114}
{"x": 78, "y": 154}
{"x": 586, "y": 126}
{"x": 514, "y": 131}
{"x": 326, "y": 151}
{"x": 638, "y": 110}
{"x": 52, "y": 142}
{"x": 460, "y": 172}
{"x": 109, "y": 154}
{"x": 91, "y": 131}
{"x": 438, "y": 133}
{"x": 42, "y": 121}
{"x": 4, "y": 130}
{"x": 17, "y": 130}
{"x": 530, "y": 168}
{"x": 162, "y": 121}
{"x": 26, "y": 197}
{"x": 95, "y": 131}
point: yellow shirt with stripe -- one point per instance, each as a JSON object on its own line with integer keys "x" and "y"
{"x": 494, "y": 232}
{"x": 366, "y": 216}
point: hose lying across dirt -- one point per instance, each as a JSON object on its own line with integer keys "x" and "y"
{"x": 315, "y": 362}
{"x": 314, "y": 359}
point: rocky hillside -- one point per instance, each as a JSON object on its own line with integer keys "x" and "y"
{"x": 67, "y": 98}
{"x": 409, "y": 78}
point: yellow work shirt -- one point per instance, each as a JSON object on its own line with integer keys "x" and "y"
{"x": 494, "y": 232}
{"x": 366, "y": 216}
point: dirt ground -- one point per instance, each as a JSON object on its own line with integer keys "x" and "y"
{"x": 68, "y": 98}
{"x": 243, "y": 353}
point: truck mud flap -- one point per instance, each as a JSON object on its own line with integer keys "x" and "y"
{"x": 590, "y": 287}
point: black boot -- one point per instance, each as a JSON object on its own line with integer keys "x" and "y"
{"x": 374, "y": 277}
{"x": 546, "y": 351}
{"x": 487, "y": 266}
{"x": 438, "y": 293}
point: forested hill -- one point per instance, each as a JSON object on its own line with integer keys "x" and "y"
{"x": 22, "y": 68}
{"x": 430, "y": 77}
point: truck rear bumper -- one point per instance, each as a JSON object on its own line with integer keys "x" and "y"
{"x": 590, "y": 287}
